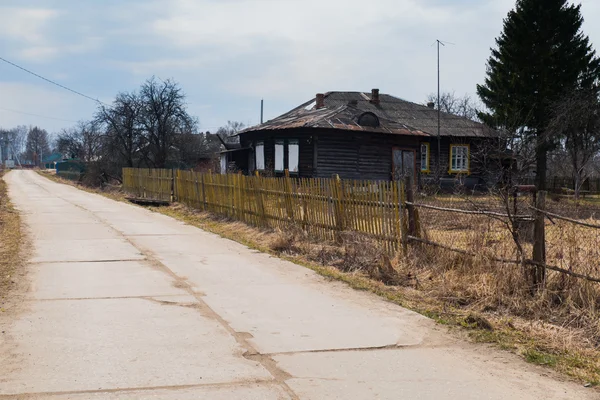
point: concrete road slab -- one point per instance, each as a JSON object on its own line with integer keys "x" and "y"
{"x": 306, "y": 315}
{"x": 35, "y": 219}
{"x": 121, "y": 343}
{"x": 100, "y": 280}
{"x": 84, "y": 250}
{"x": 241, "y": 391}
{"x": 419, "y": 373}
{"x": 67, "y": 232}
{"x": 151, "y": 229}
{"x": 210, "y": 245}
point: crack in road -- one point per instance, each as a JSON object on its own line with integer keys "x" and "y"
{"x": 241, "y": 383}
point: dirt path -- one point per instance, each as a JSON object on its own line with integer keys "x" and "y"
{"x": 125, "y": 303}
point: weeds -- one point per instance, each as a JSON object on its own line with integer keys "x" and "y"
{"x": 10, "y": 244}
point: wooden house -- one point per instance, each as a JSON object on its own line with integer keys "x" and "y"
{"x": 368, "y": 136}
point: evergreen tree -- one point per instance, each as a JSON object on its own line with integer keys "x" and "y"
{"x": 541, "y": 56}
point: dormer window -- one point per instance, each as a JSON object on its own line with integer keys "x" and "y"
{"x": 368, "y": 119}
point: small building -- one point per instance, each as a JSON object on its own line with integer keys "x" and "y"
{"x": 50, "y": 161}
{"x": 370, "y": 136}
{"x": 234, "y": 158}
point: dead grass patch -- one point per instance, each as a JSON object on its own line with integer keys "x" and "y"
{"x": 113, "y": 192}
{"x": 11, "y": 257}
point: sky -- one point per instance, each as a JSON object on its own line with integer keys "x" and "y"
{"x": 227, "y": 55}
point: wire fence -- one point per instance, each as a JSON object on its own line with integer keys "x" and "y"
{"x": 572, "y": 236}
{"x": 560, "y": 184}
{"x": 498, "y": 227}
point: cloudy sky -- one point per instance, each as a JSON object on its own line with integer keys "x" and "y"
{"x": 228, "y": 54}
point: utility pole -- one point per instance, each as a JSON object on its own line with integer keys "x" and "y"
{"x": 262, "y": 110}
{"x": 1, "y": 159}
{"x": 439, "y": 123}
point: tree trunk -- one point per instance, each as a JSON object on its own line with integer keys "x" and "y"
{"x": 577, "y": 185}
{"x": 541, "y": 158}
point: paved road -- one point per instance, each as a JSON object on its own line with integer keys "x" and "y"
{"x": 129, "y": 304}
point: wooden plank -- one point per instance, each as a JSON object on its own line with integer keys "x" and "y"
{"x": 538, "y": 272}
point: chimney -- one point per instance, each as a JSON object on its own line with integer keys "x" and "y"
{"x": 320, "y": 101}
{"x": 375, "y": 96}
{"x": 431, "y": 105}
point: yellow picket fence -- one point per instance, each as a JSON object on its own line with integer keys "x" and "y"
{"x": 324, "y": 208}
{"x": 154, "y": 184}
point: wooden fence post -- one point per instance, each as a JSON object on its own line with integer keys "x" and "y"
{"x": 412, "y": 214}
{"x": 337, "y": 196}
{"x": 401, "y": 206}
{"x": 538, "y": 270}
{"x": 172, "y": 185}
{"x": 204, "y": 205}
{"x": 303, "y": 199}
{"x": 229, "y": 189}
{"x": 259, "y": 199}
{"x": 288, "y": 196}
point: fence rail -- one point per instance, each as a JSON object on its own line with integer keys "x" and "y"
{"x": 558, "y": 184}
{"x": 515, "y": 231}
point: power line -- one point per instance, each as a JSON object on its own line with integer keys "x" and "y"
{"x": 52, "y": 82}
{"x": 35, "y": 115}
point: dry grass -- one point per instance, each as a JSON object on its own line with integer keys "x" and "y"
{"x": 113, "y": 192}
{"x": 10, "y": 247}
{"x": 489, "y": 301}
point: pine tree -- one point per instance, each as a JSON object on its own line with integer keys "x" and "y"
{"x": 541, "y": 55}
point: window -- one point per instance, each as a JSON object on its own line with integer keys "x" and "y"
{"x": 223, "y": 163}
{"x": 279, "y": 157}
{"x": 293, "y": 156}
{"x": 425, "y": 157}
{"x": 368, "y": 119}
{"x": 459, "y": 158}
{"x": 259, "y": 156}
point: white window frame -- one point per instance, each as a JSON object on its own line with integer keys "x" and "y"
{"x": 223, "y": 163}
{"x": 259, "y": 156}
{"x": 460, "y": 155}
{"x": 279, "y": 156}
{"x": 293, "y": 156}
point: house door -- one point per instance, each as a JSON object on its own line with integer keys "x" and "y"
{"x": 404, "y": 164}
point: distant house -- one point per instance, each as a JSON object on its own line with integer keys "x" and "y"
{"x": 51, "y": 160}
{"x": 367, "y": 136}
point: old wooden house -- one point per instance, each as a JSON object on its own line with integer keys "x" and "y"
{"x": 367, "y": 136}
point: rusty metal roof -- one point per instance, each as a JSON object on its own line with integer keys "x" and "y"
{"x": 396, "y": 116}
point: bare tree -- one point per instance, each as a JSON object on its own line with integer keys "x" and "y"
{"x": 124, "y": 138}
{"x": 18, "y": 139}
{"x": 12, "y": 143}
{"x": 163, "y": 117}
{"x": 450, "y": 103}
{"x": 576, "y": 124}
{"x": 230, "y": 130}
{"x": 37, "y": 145}
{"x": 84, "y": 141}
